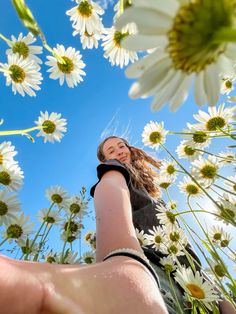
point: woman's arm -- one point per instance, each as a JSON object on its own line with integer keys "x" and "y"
{"x": 114, "y": 226}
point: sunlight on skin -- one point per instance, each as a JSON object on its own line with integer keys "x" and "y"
{"x": 101, "y": 288}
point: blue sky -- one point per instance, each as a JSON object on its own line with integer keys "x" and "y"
{"x": 99, "y": 104}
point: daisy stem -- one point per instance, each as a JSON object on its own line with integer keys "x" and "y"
{"x": 20, "y": 132}
{"x": 3, "y": 241}
{"x": 225, "y": 253}
{"x": 218, "y": 175}
{"x": 224, "y": 34}
{"x": 9, "y": 42}
{"x": 42, "y": 241}
{"x": 206, "y": 152}
{"x": 189, "y": 174}
{"x": 174, "y": 293}
{"x": 219, "y": 187}
{"x": 228, "y": 134}
{"x": 40, "y": 228}
{"x": 65, "y": 241}
{"x": 196, "y": 211}
{"x": 233, "y": 252}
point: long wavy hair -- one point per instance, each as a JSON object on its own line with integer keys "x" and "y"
{"x": 142, "y": 175}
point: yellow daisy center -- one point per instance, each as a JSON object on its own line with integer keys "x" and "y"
{"x": 157, "y": 239}
{"x": 208, "y": 172}
{"x": 215, "y": 123}
{"x": 85, "y": 9}
{"x": 228, "y": 84}
{"x": 191, "y": 38}
{"x": 5, "y": 178}
{"x": 170, "y": 169}
{"x": 17, "y": 74}
{"x": 1, "y": 159}
{"x": 72, "y": 226}
{"x": 48, "y": 126}
{"x": 195, "y": 291}
{"x": 189, "y": 151}
{"x": 21, "y": 48}
{"x": 49, "y": 219}
{"x": 88, "y": 260}
{"x": 75, "y": 208}
{"x": 3, "y": 208}
{"x": 67, "y": 67}
{"x": 155, "y": 137}
{"x": 14, "y": 231}
{"x": 56, "y": 198}
{"x": 200, "y": 137}
{"x": 118, "y": 36}
{"x": 192, "y": 189}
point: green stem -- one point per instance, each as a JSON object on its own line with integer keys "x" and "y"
{"x": 225, "y": 34}
{"x": 9, "y": 42}
{"x": 65, "y": 241}
{"x": 219, "y": 187}
{"x": 209, "y": 153}
{"x": 3, "y": 241}
{"x": 226, "y": 179}
{"x": 175, "y": 296}
{"x": 20, "y": 132}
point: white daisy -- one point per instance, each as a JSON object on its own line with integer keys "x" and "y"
{"x": 168, "y": 264}
{"x": 154, "y": 134}
{"x": 18, "y": 228}
{"x": 70, "y": 70}
{"x": 164, "y": 181}
{"x": 89, "y": 41}
{"x": 226, "y": 212}
{"x": 172, "y": 204}
{"x": 155, "y": 238}
{"x": 90, "y": 238}
{"x": 57, "y": 195}
{"x": 231, "y": 183}
{"x": 176, "y": 236}
{"x": 187, "y": 149}
{"x": 216, "y": 269}
{"x": 89, "y": 257}
{"x": 112, "y": 47}
{"x": 7, "y": 153}
{"x": 52, "y": 126}
{"x": 196, "y": 287}
{"x": 11, "y": 177}
{"x": 141, "y": 236}
{"x": 51, "y": 217}
{"x": 70, "y": 258}
{"x": 23, "y": 74}
{"x": 22, "y": 46}
{"x": 216, "y": 118}
{"x": 71, "y": 230}
{"x": 219, "y": 236}
{"x": 70, "y": 236}
{"x": 227, "y": 158}
{"x": 27, "y": 246}
{"x": 205, "y": 170}
{"x": 198, "y": 137}
{"x": 168, "y": 168}
{"x": 227, "y": 84}
{"x": 167, "y": 73}
{"x": 166, "y": 216}
{"x": 76, "y": 206}
{"x": 9, "y": 207}
{"x": 190, "y": 188}
{"x": 173, "y": 249}
{"x": 85, "y": 16}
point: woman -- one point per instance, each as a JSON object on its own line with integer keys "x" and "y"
{"x": 120, "y": 281}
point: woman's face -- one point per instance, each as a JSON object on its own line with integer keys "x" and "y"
{"x": 115, "y": 148}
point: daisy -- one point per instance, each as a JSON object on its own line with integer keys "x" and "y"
{"x": 190, "y": 188}
{"x": 72, "y": 226}
{"x": 88, "y": 236}
{"x": 205, "y": 170}
{"x": 70, "y": 237}
{"x": 23, "y": 74}
{"x": 154, "y": 134}
{"x": 168, "y": 264}
{"x": 9, "y": 207}
{"x": 22, "y": 46}
{"x": 196, "y": 287}
{"x": 169, "y": 169}
{"x": 216, "y": 269}
{"x": 76, "y": 206}
{"x": 226, "y": 212}
{"x": 70, "y": 258}
{"x": 166, "y": 216}
{"x": 51, "y": 258}
{"x": 198, "y": 137}
{"x": 57, "y": 195}
{"x": 88, "y": 257}
{"x": 173, "y": 249}
{"x": 155, "y": 238}
{"x": 227, "y": 84}
{"x": 112, "y": 46}
{"x": 7, "y": 153}
{"x": 70, "y": 70}
{"x": 85, "y": 16}
{"x": 187, "y": 149}
{"x": 89, "y": 41}
{"x": 52, "y": 126}
{"x": 176, "y": 236}
{"x": 227, "y": 158}
{"x": 182, "y": 57}
{"x": 219, "y": 236}
{"x": 231, "y": 183}
{"x": 18, "y": 228}
{"x": 141, "y": 236}
{"x": 216, "y": 118}
{"x": 172, "y": 204}
{"x": 11, "y": 177}
{"x": 51, "y": 217}
{"x": 27, "y": 246}
{"x": 164, "y": 181}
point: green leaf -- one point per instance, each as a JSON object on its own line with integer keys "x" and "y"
{"x": 26, "y": 16}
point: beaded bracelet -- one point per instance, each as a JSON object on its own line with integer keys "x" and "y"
{"x": 138, "y": 256}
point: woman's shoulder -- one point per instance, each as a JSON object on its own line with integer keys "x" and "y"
{"x": 109, "y": 165}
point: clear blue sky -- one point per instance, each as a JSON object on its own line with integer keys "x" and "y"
{"x": 89, "y": 109}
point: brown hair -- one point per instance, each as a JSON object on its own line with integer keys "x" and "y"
{"x": 142, "y": 175}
